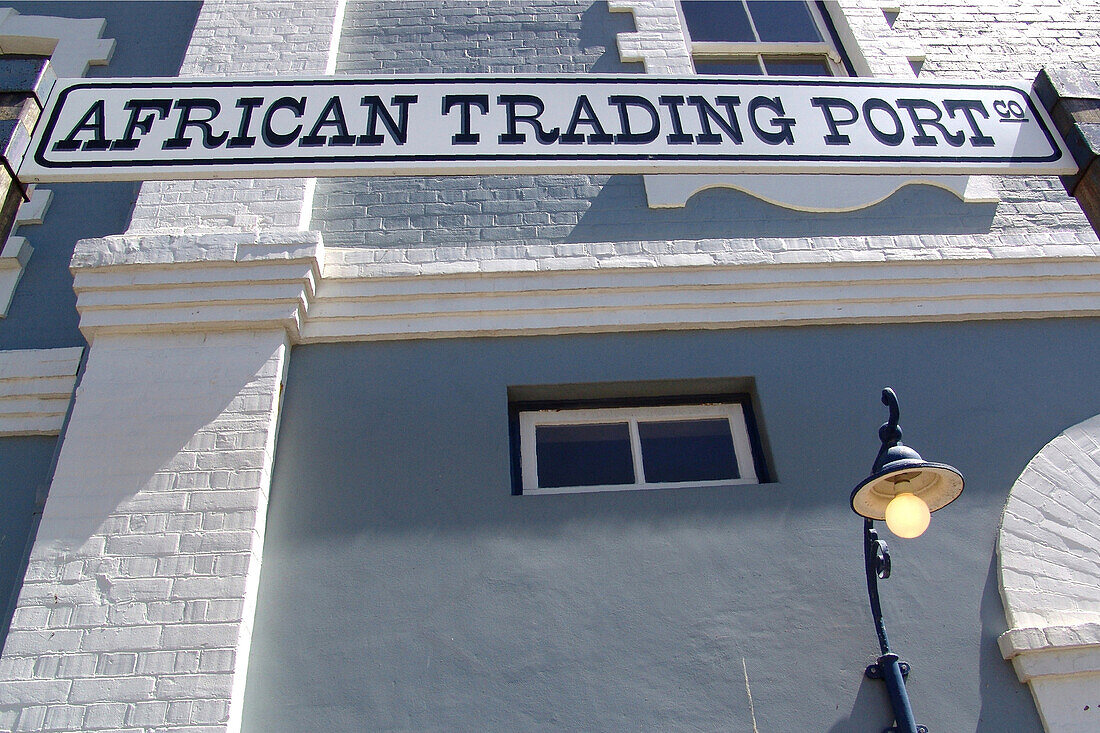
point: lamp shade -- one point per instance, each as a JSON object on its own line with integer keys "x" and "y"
{"x": 937, "y": 484}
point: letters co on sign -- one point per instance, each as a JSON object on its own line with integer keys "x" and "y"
{"x": 175, "y": 128}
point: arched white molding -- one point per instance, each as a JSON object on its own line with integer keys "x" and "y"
{"x": 659, "y": 42}
{"x": 1049, "y": 558}
{"x": 819, "y": 193}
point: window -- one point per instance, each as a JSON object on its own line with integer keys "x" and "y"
{"x": 643, "y": 447}
{"x": 769, "y": 37}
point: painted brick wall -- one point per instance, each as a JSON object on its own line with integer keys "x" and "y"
{"x": 240, "y": 37}
{"x": 486, "y": 36}
{"x": 423, "y": 226}
{"x": 1009, "y": 40}
{"x": 137, "y": 605}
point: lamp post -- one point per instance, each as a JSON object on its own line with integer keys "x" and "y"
{"x": 903, "y": 489}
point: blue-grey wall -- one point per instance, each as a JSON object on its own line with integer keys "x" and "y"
{"x": 150, "y": 41}
{"x": 24, "y": 467}
{"x": 405, "y": 588}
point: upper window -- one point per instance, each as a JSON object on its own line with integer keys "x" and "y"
{"x": 651, "y": 447}
{"x": 752, "y": 37}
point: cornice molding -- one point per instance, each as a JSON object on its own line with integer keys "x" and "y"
{"x": 235, "y": 281}
{"x": 210, "y": 282}
{"x": 663, "y": 298}
{"x": 36, "y": 386}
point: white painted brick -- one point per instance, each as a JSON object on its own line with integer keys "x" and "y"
{"x": 65, "y": 717}
{"x": 103, "y": 716}
{"x": 229, "y": 40}
{"x": 120, "y": 689}
{"x": 35, "y": 692}
{"x": 120, "y": 607}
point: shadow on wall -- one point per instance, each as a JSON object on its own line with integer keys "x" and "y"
{"x": 995, "y": 674}
{"x": 599, "y": 28}
{"x": 620, "y": 212}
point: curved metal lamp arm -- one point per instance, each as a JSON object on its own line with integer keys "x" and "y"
{"x": 876, "y": 556}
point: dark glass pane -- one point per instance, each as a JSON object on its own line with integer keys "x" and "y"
{"x": 784, "y": 21}
{"x": 583, "y": 455}
{"x": 747, "y": 66}
{"x": 687, "y": 450}
{"x": 717, "y": 20}
{"x": 797, "y": 66}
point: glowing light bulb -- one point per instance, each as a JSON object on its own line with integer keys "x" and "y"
{"x": 907, "y": 515}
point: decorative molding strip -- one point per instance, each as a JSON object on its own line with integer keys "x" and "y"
{"x": 522, "y": 303}
{"x": 816, "y": 193}
{"x": 72, "y": 45}
{"x": 228, "y": 281}
{"x": 36, "y": 386}
{"x": 1038, "y": 639}
{"x": 16, "y": 251}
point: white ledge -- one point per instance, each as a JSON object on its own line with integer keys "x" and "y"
{"x": 36, "y": 386}
{"x": 659, "y": 298}
{"x": 208, "y": 282}
{"x": 13, "y": 259}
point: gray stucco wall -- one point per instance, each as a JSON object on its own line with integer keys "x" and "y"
{"x": 405, "y": 588}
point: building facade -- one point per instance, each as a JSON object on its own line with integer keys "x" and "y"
{"x": 545, "y": 452}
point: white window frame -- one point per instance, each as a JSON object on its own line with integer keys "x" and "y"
{"x": 733, "y": 412}
{"x": 727, "y": 50}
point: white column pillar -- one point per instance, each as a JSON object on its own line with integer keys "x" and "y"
{"x": 136, "y": 610}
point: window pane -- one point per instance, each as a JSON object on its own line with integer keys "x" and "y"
{"x": 717, "y": 20}
{"x": 747, "y": 66}
{"x": 687, "y": 450}
{"x": 797, "y": 66}
{"x": 783, "y": 20}
{"x": 583, "y": 455}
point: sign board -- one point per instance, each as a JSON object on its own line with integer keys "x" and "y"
{"x": 256, "y": 128}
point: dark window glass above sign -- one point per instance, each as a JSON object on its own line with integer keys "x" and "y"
{"x": 777, "y": 38}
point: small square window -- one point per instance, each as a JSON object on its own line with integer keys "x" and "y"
{"x": 645, "y": 447}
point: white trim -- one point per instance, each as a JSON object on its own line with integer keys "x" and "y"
{"x": 306, "y": 218}
{"x": 128, "y": 283}
{"x": 36, "y": 386}
{"x": 732, "y": 412}
{"x": 14, "y": 255}
{"x": 73, "y": 44}
{"x": 711, "y": 296}
{"x": 810, "y": 192}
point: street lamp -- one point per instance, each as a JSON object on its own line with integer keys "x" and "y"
{"x": 903, "y": 489}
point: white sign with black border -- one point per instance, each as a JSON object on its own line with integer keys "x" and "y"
{"x": 136, "y": 129}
